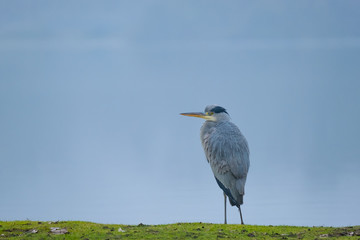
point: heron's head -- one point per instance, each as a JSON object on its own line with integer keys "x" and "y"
{"x": 212, "y": 113}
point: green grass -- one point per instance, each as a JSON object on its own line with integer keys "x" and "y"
{"x": 88, "y": 230}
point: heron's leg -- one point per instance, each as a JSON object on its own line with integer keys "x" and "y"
{"x": 225, "y": 221}
{"x": 242, "y": 222}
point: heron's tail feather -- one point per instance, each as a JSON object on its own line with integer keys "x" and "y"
{"x": 240, "y": 190}
{"x": 240, "y": 201}
{"x": 233, "y": 202}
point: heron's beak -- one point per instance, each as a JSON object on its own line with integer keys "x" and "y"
{"x": 198, "y": 115}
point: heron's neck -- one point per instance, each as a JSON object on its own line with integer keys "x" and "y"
{"x": 207, "y": 125}
{"x": 222, "y": 117}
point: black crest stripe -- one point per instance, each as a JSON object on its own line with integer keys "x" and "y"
{"x": 218, "y": 109}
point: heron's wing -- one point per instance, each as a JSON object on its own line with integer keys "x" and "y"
{"x": 227, "y": 150}
{"x": 238, "y": 156}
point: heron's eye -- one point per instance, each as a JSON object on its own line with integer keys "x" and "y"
{"x": 211, "y": 113}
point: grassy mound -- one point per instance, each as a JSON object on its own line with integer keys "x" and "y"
{"x": 88, "y": 230}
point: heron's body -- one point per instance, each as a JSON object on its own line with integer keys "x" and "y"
{"x": 227, "y": 152}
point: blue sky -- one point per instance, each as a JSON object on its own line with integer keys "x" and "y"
{"x": 91, "y": 91}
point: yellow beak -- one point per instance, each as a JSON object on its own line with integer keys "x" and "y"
{"x": 198, "y": 115}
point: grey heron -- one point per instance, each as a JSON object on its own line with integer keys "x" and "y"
{"x": 227, "y": 152}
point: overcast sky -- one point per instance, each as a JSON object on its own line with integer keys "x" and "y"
{"x": 91, "y": 91}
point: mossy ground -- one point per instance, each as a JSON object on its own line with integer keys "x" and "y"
{"x": 88, "y": 230}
